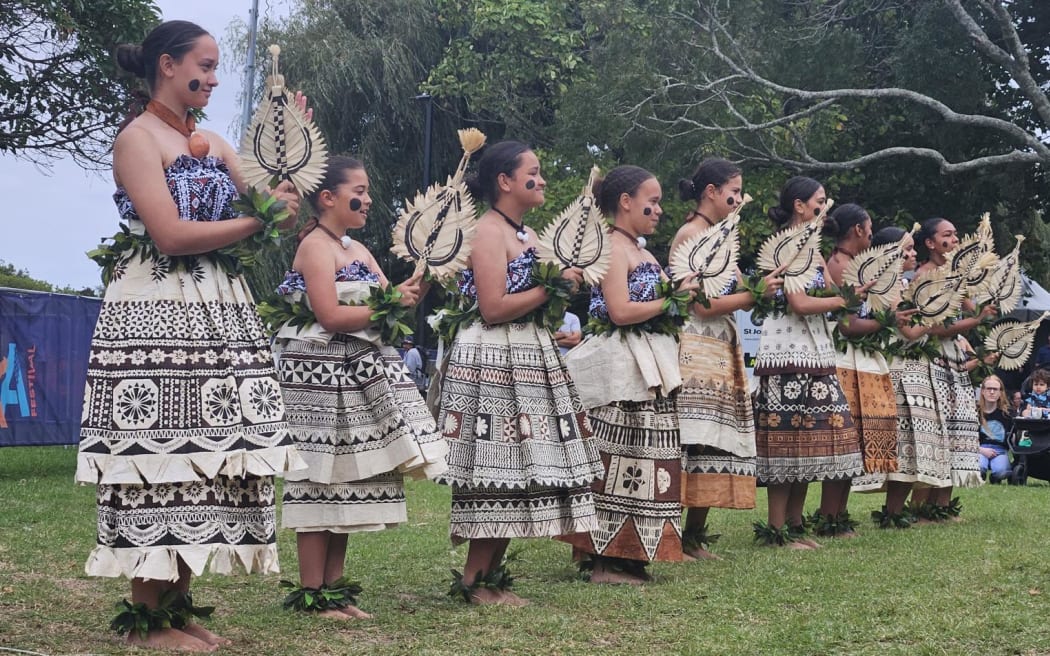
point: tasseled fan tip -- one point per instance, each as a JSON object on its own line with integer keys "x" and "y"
{"x": 275, "y": 50}
{"x": 471, "y": 139}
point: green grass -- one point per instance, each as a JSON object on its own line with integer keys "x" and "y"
{"x": 978, "y": 586}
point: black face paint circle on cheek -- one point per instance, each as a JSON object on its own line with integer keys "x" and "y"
{"x": 647, "y": 211}
{"x": 530, "y": 184}
{"x": 944, "y": 244}
{"x": 730, "y": 201}
{"x": 355, "y": 204}
{"x": 195, "y": 85}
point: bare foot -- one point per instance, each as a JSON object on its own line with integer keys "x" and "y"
{"x": 333, "y": 613}
{"x": 355, "y": 613}
{"x": 687, "y": 556}
{"x": 171, "y": 640}
{"x": 847, "y": 534}
{"x": 201, "y": 633}
{"x": 511, "y": 599}
{"x": 616, "y": 578}
{"x": 799, "y": 546}
{"x": 699, "y": 553}
{"x": 811, "y": 543}
{"x": 485, "y": 597}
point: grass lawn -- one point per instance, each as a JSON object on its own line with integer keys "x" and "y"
{"x": 979, "y": 586}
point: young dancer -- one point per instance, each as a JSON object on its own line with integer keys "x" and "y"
{"x": 521, "y": 457}
{"x": 183, "y": 426}
{"x": 862, "y": 369}
{"x": 951, "y": 385}
{"x": 716, "y": 416}
{"x": 922, "y": 450}
{"x": 627, "y": 373}
{"x": 353, "y": 409}
{"x": 804, "y": 429}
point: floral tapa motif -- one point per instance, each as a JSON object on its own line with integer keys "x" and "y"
{"x": 261, "y": 400}
{"x": 451, "y": 426}
{"x": 819, "y": 391}
{"x": 220, "y": 403}
{"x": 633, "y": 478}
{"x": 136, "y": 404}
{"x": 163, "y": 493}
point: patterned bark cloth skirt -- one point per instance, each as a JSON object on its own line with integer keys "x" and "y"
{"x": 716, "y": 418}
{"x": 639, "y": 502}
{"x": 922, "y": 441}
{"x": 521, "y": 456}
{"x": 360, "y": 424}
{"x": 957, "y": 400}
{"x": 805, "y": 432}
{"x": 865, "y": 380}
{"x": 183, "y": 425}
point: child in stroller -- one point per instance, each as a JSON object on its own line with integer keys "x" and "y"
{"x": 1029, "y": 440}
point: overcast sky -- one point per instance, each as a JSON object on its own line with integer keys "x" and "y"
{"x": 54, "y": 218}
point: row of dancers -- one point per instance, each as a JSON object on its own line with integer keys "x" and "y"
{"x": 186, "y": 421}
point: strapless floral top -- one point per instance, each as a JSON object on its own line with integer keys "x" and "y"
{"x": 201, "y": 188}
{"x": 356, "y": 271}
{"x": 519, "y": 276}
{"x": 641, "y": 286}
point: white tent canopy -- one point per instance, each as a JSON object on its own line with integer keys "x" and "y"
{"x": 1034, "y": 300}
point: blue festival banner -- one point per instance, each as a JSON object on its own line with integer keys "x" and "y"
{"x": 45, "y": 341}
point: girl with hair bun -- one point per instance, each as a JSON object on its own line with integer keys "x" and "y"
{"x": 716, "y": 416}
{"x": 627, "y": 374}
{"x": 862, "y": 369}
{"x": 521, "y": 456}
{"x": 951, "y": 386}
{"x": 354, "y": 412}
{"x": 922, "y": 450}
{"x": 183, "y": 427}
{"x": 804, "y": 429}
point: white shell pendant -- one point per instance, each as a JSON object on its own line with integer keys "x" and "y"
{"x": 346, "y": 241}
{"x": 641, "y": 241}
{"x": 522, "y": 236}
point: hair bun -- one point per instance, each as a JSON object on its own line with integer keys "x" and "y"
{"x": 474, "y": 186}
{"x": 129, "y": 57}
{"x": 686, "y": 189}
{"x": 831, "y": 227}
{"x": 778, "y": 215}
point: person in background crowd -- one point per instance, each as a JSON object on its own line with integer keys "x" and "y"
{"x": 995, "y": 425}
{"x": 569, "y": 333}
{"x": 415, "y": 362}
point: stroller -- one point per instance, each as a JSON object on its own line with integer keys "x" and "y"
{"x": 1032, "y": 460}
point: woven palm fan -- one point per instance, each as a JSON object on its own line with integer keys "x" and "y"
{"x": 1004, "y": 284}
{"x": 578, "y": 237}
{"x": 937, "y": 294}
{"x": 282, "y": 143}
{"x": 974, "y": 256}
{"x": 712, "y": 255}
{"x": 881, "y": 264}
{"x": 435, "y": 229}
{"x": 797, "y": 248}
{"x": 1013, "y": 341}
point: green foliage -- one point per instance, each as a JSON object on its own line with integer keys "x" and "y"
{"x": 13, "y": 278}
{"x": 59, "y": 81}
{"x": 510, "y": 61}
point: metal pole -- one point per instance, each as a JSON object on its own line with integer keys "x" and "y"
{"x": 428, "y": 121}
{"x": 249, "y": 69}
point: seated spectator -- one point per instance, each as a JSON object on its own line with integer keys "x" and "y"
{"x": 1016, "y": 403}
{"x": 994, "y": 413}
